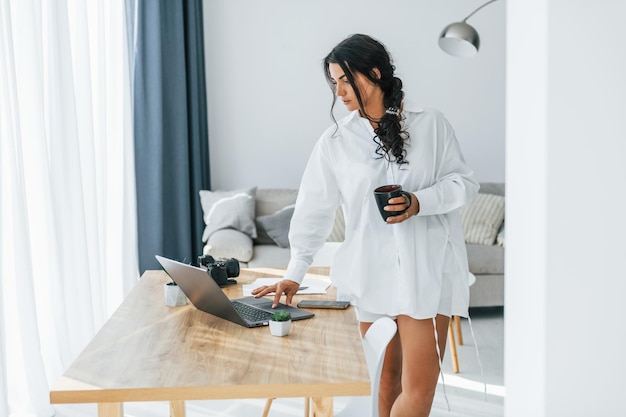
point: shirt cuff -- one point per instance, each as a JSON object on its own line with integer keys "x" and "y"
{"x": 427, "y": 200}
{"x": 296, "y": 270}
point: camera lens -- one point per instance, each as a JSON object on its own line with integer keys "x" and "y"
{"x": 232, "y": 267}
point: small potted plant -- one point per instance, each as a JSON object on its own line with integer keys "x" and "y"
{"x": 174, "y": 296}
{"x": 280, "y": 323}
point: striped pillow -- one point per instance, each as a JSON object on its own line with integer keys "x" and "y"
{"x": 482, "y": 219}
{"x": 339, "y": 226}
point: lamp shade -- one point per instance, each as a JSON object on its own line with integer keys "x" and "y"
{"x": 459, "y": 39}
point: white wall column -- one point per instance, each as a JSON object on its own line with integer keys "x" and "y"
{"x": 526, "y": 169}
{"x": 566, "y": 206}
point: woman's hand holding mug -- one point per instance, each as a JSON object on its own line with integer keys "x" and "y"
{"x": 394, "y": 204}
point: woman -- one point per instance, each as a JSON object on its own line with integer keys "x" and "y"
{"x": 413, "y": 267}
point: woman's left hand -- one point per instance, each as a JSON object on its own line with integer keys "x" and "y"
{"x": 400, "y": 203}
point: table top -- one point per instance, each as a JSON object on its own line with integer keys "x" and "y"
{"x": 147, "y": 351}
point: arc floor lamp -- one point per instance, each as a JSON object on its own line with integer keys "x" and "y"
{"x": 460, "y": 38}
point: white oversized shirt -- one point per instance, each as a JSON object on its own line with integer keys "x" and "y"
{"x": 387, "y": 268}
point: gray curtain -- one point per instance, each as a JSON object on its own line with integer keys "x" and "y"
{"x": 171, "y": 135}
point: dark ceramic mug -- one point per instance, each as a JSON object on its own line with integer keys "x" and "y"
{"x": 386, "y": 192}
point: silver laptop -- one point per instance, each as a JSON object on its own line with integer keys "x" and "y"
{"x": 206, "y": 295}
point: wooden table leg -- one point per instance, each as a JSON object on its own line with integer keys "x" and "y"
{"x": 268, "y": 405}
{"x": 322, "y": 407}
{"x": 307, "y": 407}
{"x": 177, "y": 408}
{"x": 110, "y": 410}
{"x": 459, "y": 333}
{"x": 455, "y": 359}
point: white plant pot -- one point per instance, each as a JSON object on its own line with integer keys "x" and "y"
{"x": 280, "y": 328}
{"x": 174, "y": 296}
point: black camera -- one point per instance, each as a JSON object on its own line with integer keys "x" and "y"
{"x": 220, "y": 270}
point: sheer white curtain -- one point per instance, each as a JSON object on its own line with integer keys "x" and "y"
{"x": 68, "y": 251}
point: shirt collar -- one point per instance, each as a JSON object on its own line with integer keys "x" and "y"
{"x": 411, "y": 106}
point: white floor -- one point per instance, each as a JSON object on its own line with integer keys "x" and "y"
{"x": 465, "y": 391}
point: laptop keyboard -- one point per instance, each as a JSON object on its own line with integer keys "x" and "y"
{"x": 250, "y": 313}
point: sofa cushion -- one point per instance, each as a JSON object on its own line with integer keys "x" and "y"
{"x": 262, "y": 238}
{"x": 269, "y": 256}
{"x": 488, "y": 291}
{"x": 270, "y": 200}
{"x": 276, "y": 225}
{"x": 229, "y": 243}
{"x": 482, "y": 219}
{"x": 228, "y": 209}
{"x": 496, "y": 188}
{"x": 485, "y": 259}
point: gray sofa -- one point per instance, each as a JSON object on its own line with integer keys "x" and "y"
{"x": 486, "y": 261}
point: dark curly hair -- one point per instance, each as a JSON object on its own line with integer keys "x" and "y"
{"x": 362, "y": 54}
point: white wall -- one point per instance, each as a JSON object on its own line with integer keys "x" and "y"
{"x": 268, "y": 101}
{"x": 566, "y": 199}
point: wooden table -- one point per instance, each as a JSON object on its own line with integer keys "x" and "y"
{"x": 147, "y": 351}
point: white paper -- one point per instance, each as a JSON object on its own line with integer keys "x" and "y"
{"x": 313, "y": 285}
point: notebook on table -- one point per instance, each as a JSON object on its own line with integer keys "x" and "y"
{"x": 204, "y": 293}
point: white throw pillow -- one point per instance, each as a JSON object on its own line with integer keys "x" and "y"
{"x": 229, "y": 243}
{"x": 228, "y": 210}
{"x": 482, "y": 219}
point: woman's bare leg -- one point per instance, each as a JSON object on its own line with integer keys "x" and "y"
{"x": 420, "y": 364}
{"x": 390, "y": 379}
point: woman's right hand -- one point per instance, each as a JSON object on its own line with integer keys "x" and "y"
{"x": 286, "y": 286}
